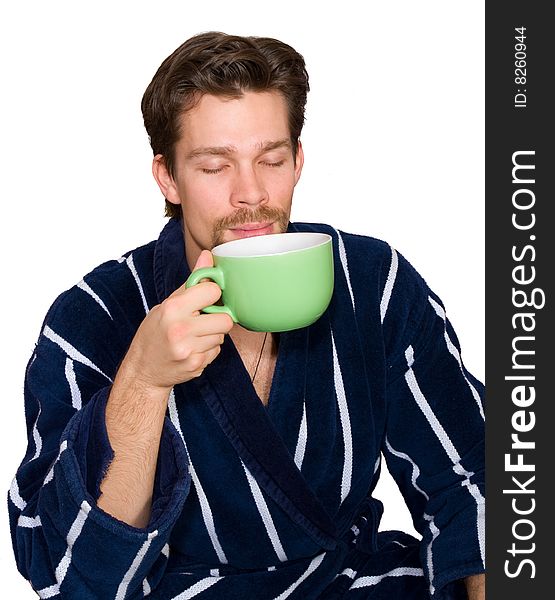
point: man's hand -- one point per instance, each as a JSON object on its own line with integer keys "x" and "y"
{"x": 174, "y": 344}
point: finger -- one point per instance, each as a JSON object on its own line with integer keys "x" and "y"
{"x": 200, "y": 360}
{"x": 209, "y": 324}
{"x": 206, "y": 343}
{"x": 211, "y": 355}
{"x": 184, "y": 334}
{"x": 187, "y": 344}
{"x": 195, "y": 298}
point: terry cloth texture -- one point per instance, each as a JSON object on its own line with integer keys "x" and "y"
{"x": 252, "y": 501}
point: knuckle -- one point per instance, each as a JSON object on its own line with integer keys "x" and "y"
{"x": 168, "y": 307}
{"x": 155, "y": 311}
{"x": 171, "y": 303}
{"x": 181, "y": 353}
{"x": 196, "y": 363}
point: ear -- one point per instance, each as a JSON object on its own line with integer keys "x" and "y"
{"x": 165, "y": 180}
{"x": 299, "y": 162}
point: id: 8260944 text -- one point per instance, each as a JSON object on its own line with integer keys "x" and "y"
{"x": 520, "y": 98}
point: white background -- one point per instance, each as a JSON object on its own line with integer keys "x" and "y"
{"x": 394, "y": 147}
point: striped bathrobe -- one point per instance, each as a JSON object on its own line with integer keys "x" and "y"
{"x": 252, "y": 501}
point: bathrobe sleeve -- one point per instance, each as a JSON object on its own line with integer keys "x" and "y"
{"x": 434, "y": 442}
{"x": 64, "y": 544}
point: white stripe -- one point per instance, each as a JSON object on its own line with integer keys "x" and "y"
{"x": 71, "y": 351}
{"x": 438, "y": 428}
{"x": 460, "y": 470}
{"x": 207, "y": 515}
{"x": 146, "y": 587}
{"x": 203, "y": 500}
{"x": 33, "y": 358}
{"x": 449, "y": 449}
{"x": 131, "y": 266}
{"x": 87, "y": 288}
{"x": 349, "y": 573}
{"x": 29, "y": 521}
{"x": 166, "y": 550}
{"x": 50, "y": 474}
{"x": 74, "y": 388}
{"x": 36, "y": 435}
{"x": 63, "y": 566}
{"x": 345, "y": 265}
{"x": 429, "y": 554}
{"x": 301, "y": 440}
{"x": 214, "y": 572}
{"x": 265, "y": 514}
{"x": 415, "y": 469}
{"x": 49, "y": 592}
{"x": 426, "y": 409}
{"x": 481, "y": 530}
{"x": 375, "y": 579}
{"x": 453, "y": 350}
{"x": 345, "y": 424}
{"x": 122, "y": 588}
{"x": 409, "y": 355}
{"x": 480, "y": 516}
{"x": 390, "y": 282}
{"x": 378, "y": 462}
{"x": 74, "y": 532}
{"x": 15, "y": 497}
{"x": 315, "y": 563}
{"x": 77, "y": 526}
{"x": 199, "y": 587}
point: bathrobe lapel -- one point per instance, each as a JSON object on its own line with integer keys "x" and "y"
{"x": 232, "y": 399}
{"x": 226, "y": 388}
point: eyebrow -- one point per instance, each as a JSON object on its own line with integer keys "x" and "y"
{"x": 227, "y": 150}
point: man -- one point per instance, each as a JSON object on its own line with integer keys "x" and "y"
{"x": 169, "y": 459}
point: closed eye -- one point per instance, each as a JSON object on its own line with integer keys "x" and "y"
{"x": 213, "y": 171}
{"x": 217, "y": 170}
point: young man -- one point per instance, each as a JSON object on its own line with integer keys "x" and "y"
{"x": 169, "y": 459}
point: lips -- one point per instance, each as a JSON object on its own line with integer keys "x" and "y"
{"x": 252, "y": 229}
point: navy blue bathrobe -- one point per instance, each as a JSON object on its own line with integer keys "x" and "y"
{"x": 252, "y": 501}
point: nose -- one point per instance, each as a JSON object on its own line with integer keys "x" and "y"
{"x": 248, "y": 188}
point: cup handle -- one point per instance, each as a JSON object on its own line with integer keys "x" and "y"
{"x": 217, "y": 276}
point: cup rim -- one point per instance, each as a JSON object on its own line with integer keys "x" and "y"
{"x": 230, "y": 249}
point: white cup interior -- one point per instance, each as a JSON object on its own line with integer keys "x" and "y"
{"x": 274, "y": 243}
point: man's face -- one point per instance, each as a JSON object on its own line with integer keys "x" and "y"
{"x": 234, "y": 171}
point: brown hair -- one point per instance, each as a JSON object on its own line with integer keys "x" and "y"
{"x": 222, "y": 65}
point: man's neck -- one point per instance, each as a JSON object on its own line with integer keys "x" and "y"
{"x": 258, "y": 351}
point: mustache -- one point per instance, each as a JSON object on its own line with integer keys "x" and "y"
{"x": 247, "y": 215}
{"x": 260, "y": 214}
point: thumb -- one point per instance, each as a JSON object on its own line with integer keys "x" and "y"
{"x": 204, "y": 260}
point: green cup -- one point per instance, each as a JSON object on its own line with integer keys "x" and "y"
{"x": 275, "y": 282}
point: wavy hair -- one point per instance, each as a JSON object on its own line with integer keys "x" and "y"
{"x": 222, "y": 65}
